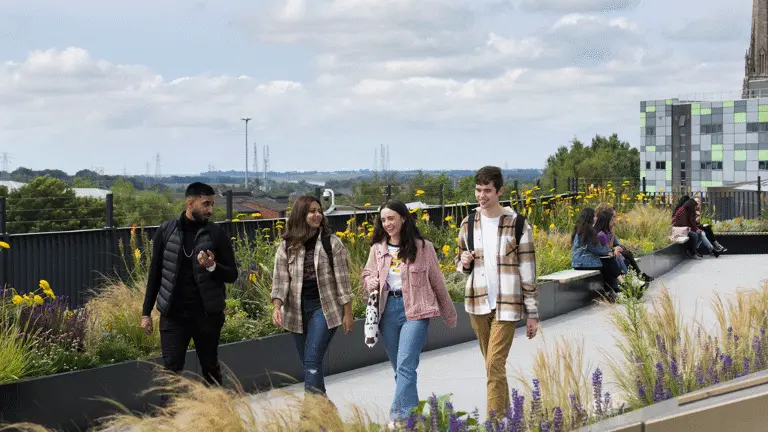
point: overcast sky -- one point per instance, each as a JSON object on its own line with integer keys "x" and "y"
{"x": 447, "y": 84}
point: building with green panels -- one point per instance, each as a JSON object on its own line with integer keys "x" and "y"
{"x": 693, "y": 145}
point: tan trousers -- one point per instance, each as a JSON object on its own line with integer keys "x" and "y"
{"x": 495, "y": 339}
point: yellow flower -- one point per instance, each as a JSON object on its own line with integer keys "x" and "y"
{"x": 236, "y": 220}
{"x": 425, "y": 216}
{"x": 257, "y": 215}
{"x": 17, "y": 300}
{"x": 367, "y": 204}
{"x": 38, "y": 300}
{"x": 136, "y": 254}
{"x": 419, "y": 192}
{"x": 252, "y": 277}
{"x": 551, "y": 226}
{"x": 4, "y": 245}
{"x": 339, "y": 234}
{"x": 453, "y": 226}
{"x": 44, "y": 284}
{"x": 448, "y": 218}
{"x": 446, "y": 249}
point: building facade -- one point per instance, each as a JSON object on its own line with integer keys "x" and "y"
{"x": 693, "y": 145}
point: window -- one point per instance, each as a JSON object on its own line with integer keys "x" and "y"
{"x": 682, "y": 165}
{"x": 662, "y": 165}
{"x": 647, "y": 165}
{"x": 757, "y": 127}
{"x": 711, "y": 128}
{"x": 763, "y": 165}
{"x": 715, "y": 165}
{"x": 682, "y": 175}
{"x": 650, "y": 130}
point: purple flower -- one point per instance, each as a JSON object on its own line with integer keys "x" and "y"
{"x": 745, "y": 367}
{"x": 700, "y": 376}
{"x": 658, "y": 388}
{"x": 641, "y": 391}
{"x": 536, "y": 401}
{"x": 597, "y": 387}
{"x": 557, "y": 420}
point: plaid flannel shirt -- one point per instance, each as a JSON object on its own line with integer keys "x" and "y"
{"x": 334, "y": 287}
{"x": 518, "y": 293}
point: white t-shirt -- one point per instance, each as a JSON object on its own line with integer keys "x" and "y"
{"x": 489, "y": 228}
{"x": 394, "y": 280}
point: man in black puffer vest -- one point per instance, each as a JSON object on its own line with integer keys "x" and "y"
{"x": 192, "y": 259}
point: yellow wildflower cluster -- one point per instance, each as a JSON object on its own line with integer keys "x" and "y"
{"x": 32, "y": 298}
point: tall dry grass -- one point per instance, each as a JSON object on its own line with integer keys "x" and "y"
{"x": 193, "y": 405}
{"x": 115, "y": 313}
{"x": 645, "y": 228}
{"x": 562, "y": 374}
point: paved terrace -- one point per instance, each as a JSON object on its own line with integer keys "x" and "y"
{"x": 459, "y": 369}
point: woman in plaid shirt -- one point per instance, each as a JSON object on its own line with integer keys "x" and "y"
{"x": 311, "y": 294}
{"x": 403, "y": 268}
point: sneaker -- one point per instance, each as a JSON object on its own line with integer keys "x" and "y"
{"x": 647, "y": 278}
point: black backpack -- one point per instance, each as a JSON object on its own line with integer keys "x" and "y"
{"x": 519, "y": 226}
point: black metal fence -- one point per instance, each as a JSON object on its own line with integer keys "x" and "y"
{"x": 76, "y": 262}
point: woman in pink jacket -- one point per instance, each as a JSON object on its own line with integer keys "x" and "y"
{"x": 403, "y": 268}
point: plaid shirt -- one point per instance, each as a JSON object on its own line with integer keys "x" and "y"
{"x": 334, "y": 287}
{"x": 518, "y": 294}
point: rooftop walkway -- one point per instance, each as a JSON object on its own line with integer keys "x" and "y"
{"x": 459, "y": 369}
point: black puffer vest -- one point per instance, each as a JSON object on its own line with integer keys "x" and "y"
{"x": 213, "y": 293}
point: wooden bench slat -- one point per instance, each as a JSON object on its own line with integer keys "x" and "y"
{"x": 569, "y": 275}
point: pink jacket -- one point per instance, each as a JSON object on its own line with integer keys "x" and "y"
{"x": 424, "y": 292}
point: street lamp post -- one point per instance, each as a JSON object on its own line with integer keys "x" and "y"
{"x": 246, "y": 120}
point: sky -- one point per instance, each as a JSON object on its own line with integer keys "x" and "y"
{"x": 446, "y": 84}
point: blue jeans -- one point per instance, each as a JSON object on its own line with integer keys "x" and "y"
{"x": 312, "y": 345}
{"x": 703, "y": 239}
{"x": 403, "y": 341}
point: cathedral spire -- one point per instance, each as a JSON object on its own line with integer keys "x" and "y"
{"x": 756, "y": 59}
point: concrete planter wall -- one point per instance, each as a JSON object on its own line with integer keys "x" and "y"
{"x": 69, "y": 401}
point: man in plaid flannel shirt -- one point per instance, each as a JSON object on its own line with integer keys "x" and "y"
{"x": 501, "y": 288}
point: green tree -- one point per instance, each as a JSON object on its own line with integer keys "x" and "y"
{"x": 145, "y": 208}
{"x": 605, "y": 160}
{"x": 49, "y": 204}
{"x": 81, "y": 182}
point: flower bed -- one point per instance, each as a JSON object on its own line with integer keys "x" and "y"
{"x": 105, "y": 330}
{"x": 663, "y": 358}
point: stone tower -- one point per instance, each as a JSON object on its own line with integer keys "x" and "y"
{"x": 756, "y": 59}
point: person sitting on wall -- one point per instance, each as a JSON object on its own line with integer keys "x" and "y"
{"x": 627, "y": 255}
{"x": 707, "y": 229}
{"x": 588, "y": 254}
{"x": 685, "y": 217}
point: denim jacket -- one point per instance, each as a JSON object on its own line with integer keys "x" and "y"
{"x": 587, "y": 255}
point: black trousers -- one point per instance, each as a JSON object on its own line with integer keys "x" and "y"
{"x": 204, "y": 329}
{"x": 629, "y": 258}
{"x": 609, "y": 270}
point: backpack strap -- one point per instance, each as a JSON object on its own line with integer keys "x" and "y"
{"x": 471, "y": 236}
{"x": 326, "y": 240}
{"x": 519, "y": 227}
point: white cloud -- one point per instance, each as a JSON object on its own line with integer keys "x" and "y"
{"x": 568, "y": 6}
{"x": 379, "y": 67}
{"x": 718, "y": 27}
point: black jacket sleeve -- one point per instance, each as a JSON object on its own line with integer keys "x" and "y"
{"x": 155, "y": 270}
{"x": 226, "y": 267}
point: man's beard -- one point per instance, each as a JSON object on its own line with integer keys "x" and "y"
{"x": 198, "y": 216}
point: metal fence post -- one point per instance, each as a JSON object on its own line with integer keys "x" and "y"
{"x": 643, "y": 185}
{"x": 228, "y": 194}
{"x": 442, "y": 205}
{"x": 389, "y": 192}
{"x": 4, "y": 236}
{"x": 554, "y": 184}
{"x": 570, "y": 185}
{"x": 759, "y": 197}
{"x": 111, "y": 233}
{"x": 110, "y": 210}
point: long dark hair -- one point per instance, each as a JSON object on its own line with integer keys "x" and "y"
{"x": 683, "y": 199}
{"x": 297, "y": 230}
{"x": 604, "y": 219}
{"x": 584, "y": 228}
{"x": 690, "y": 207}
{"x": 409, "y": 233}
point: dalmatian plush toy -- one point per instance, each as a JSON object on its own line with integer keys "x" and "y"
{"x": 372, "y": 319}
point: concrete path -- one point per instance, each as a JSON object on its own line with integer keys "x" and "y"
{"x": 459, "y": 369}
